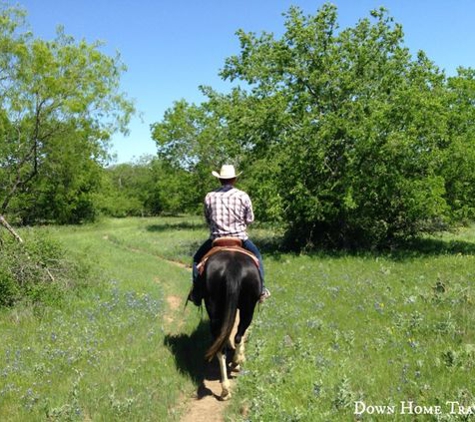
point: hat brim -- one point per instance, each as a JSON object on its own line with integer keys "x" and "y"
{"x": 216, "y": 174}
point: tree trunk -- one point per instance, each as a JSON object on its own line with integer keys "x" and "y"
{"x": 5, "y": 224}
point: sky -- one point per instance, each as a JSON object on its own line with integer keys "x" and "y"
{"x": 171, "y": 47}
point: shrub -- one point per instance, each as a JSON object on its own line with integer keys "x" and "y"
{"x": 37, "y": 270}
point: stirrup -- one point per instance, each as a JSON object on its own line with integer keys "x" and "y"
{"x": 192, "y": 298}
{"x": 264, "y": 295}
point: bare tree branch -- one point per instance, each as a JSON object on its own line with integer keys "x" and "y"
{"x": 5, "y": 224}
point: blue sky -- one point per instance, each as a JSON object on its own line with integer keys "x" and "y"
{"x": 171, "y": 47}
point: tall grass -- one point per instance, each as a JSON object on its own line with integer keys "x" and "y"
{"x": 383, "y": 330}
{"x": 390, "y": 330}
{"x": 105, "y": 354}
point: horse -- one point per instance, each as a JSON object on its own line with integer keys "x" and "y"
{"x": 231, "y": 282}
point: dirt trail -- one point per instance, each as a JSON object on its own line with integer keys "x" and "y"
{"x": 204, "y": 405}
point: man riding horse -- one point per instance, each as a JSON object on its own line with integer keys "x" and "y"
{"x": 228, "y": 212}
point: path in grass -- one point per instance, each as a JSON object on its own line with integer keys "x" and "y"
{"x": 140, "y": 251}
{"x": 204, "y": 405}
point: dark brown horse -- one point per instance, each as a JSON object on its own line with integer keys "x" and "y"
{"x": 231, "y": 282}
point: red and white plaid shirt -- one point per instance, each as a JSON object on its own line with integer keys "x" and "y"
{"x": 228, "y": 212}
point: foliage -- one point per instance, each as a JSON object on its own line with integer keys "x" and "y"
{"x": 236, "y": 128}
{"x": 36, "y": 271}
{"x": 350, "y": 140}
{"x": 191, "y": 141}
{"x": 126, "y": 189}
{"x": 360, "y": 160}
{"x": 458, "y": 157}
{"x": 147, "y": 187}
{"x": 70, "y": 199}
{"x": 59, "y": 105}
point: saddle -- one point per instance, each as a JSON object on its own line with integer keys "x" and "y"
{"x": 225, "y": 244}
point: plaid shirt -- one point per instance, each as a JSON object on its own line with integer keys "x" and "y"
{"x": 228, "y": 212}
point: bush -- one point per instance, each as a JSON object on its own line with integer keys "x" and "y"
{"x": 37, "y": 271}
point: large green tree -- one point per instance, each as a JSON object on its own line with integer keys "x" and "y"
{"x": 346, "y": 136}
{"x": 191, "y": 140}
{"x": 60, "y": 101}
{"x": 235, "y": 128}
{"x": 366, "y": 122}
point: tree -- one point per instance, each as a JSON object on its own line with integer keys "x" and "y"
{"x": 58, "y": 95}
{"x": 349, "y": 139}
{"x": 365, "y": 127}
{"x": 128, "y": 189}
{"x": 191, "y": 140}
{"x": 233, "y": 128}
{"x": 458, "y": 158}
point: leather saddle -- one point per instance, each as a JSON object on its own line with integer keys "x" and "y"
{"x": 226, "y": 244}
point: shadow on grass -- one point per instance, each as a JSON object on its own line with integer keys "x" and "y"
{"x": 415, "y": 248}
{"x": 182, "y": 225}
{"x": 275, "y": 246}
{"x": 189, "y": 351}
{"x": 433, "y": 247}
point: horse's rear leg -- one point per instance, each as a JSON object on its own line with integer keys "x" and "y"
{"x": 239, "y": 356}
{"x": 225, "y": 385}
{"x": 244, "y": 323}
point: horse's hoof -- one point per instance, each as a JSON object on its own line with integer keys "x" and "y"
{"x": 225, "y": 395}
{"x": 238, "y": 360}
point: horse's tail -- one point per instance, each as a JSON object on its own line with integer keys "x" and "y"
{"x": 233, "y": 279}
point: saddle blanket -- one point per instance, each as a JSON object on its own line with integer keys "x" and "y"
{"x": 214, "y": 249}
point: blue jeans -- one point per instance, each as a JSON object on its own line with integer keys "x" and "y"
{"x": 208, "y": 244}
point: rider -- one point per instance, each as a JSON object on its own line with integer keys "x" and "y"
{"x": 228, "y": 212}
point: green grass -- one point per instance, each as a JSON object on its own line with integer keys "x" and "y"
{"x": 106, "y": 353}
{"x": 379, "y": 329}
{"x": 382, "y": 329}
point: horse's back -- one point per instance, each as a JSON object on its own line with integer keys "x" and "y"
{"x": 226, "y": 265}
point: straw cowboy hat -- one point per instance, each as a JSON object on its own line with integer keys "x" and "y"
{"x": 227, "y": 172}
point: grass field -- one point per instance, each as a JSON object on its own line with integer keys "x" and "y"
{"x": 103, "y": 355}
{"x": 344, "y": 336}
